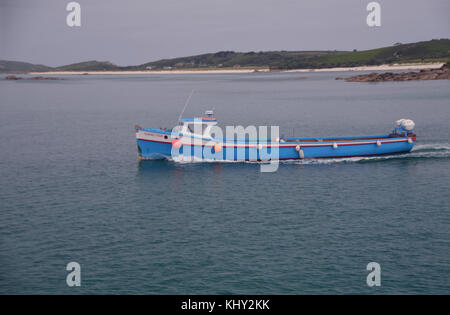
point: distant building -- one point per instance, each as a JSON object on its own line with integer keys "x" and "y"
{"x": 149, "y": 67}
{"x": 236, "y": 66}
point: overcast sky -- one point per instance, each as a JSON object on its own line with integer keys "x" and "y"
{"x": 137, "y": 31}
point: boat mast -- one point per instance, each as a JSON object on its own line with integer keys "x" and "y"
{"x": 185, "y": 104}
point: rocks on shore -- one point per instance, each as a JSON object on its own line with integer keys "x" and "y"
{"x": 442, "y": 73}
{"x": 13, "y": 77}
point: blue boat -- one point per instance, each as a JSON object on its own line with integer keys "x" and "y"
{"x": 196, "y": 138}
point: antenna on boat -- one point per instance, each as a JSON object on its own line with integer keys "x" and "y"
{"x": 185, "y": 104}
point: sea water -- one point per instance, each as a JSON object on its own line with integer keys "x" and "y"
{"x": 73, "y": 190}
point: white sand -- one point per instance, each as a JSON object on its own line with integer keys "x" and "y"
{"x": 394, "y": 67}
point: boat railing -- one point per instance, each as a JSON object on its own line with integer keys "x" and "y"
{"x": 332, "y": 139}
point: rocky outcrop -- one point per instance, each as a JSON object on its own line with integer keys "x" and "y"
{"x": 13, "y": 77}
{"x": 442, "y": 73}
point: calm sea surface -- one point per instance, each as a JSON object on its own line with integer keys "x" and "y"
{"x": 72, "y": 189}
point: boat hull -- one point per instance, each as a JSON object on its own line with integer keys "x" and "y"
{"x": 156, "y": 144}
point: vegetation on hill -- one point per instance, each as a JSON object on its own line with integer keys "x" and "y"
{"x": 92, "y": 65}
{"x": 427, "y": 51}
{"x": 231, "y": 59}
{"x": 20, "y": 67}
{"x": 434, "y": 50}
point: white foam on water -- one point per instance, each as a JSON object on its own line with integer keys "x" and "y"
{"x": 194, "y": 159}
{"x": 427, "y": 150}
{"x": 431, "y": 147}
{"x": 431, "y": 150}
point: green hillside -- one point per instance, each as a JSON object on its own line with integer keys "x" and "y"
{"x": 229, "y": 59}
{"x": 20, "y": 67}
{"x": 23, "y": 67}
{"x": 434, "y": 50}
{"x": 427, "y": 51}
{"x": 92, "y": 65}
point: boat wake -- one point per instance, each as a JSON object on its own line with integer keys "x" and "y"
{"x": 420, "y": 151}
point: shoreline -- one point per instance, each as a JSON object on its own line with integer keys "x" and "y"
{"x": 394, "y": 67}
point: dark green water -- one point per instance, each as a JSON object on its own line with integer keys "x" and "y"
{"x": 72, "y": 189}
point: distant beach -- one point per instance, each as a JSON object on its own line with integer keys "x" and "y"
{"x": 394, "y": 67}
